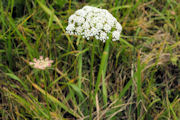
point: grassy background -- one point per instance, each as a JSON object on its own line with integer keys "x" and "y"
{"x": 143, "y": 73}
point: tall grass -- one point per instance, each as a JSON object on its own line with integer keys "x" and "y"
{"x": 135, "y": 78}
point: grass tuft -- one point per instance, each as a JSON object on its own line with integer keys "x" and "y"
{"x": 135, "y": 78}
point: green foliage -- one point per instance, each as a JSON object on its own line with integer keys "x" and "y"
{"x": 60, "y": 3}
{"x": 134, "y": 78}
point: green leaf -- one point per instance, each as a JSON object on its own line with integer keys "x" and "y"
{"x": 11, "y": 75}
{"x": 77, "y": 89}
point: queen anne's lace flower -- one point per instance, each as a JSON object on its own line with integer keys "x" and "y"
{"x": 41, "y": 63}
{"x": 94, "y": 22}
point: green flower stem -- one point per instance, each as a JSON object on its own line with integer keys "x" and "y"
{"x": 80, "y": 62}
{"x": 104, "y": 87}
{"x": 103, "y": 65}
{"x": 91, "y": 85}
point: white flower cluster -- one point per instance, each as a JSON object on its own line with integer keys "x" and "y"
{"x": 94, "y": 22}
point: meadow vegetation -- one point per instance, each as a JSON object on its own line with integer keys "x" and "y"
{"x": 142, "y": 79}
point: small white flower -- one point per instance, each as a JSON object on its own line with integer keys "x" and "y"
{"x": 70, "y": 28}
{"x": 86, "y": 25}
{"x": 71, "y": 19}
{"x": 107, "y": 27}
{"x": 99, "y": 26}
{"x": 103, "y": 36}
{"x": 79, "y": 30}
{"x": 94, "y": 22}
{"x": 118, "y": 27}
{"x": 115, "y": 35}
{"x": 80, "y": 13}
{"x": 94, "y": 31}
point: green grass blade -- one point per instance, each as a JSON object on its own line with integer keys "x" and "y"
{"x": 139, "y": 86}
{"x": 13, "y": 76}
{"x": 49, "y": 12}
{"x": 102, "y": 65}
{"x": 30, "y": 50}
{"x": 77, "y": 89}
{"x": 125, "y": 42}
{"x": 119, "y": 7}
{"x": 125, "y": 89}
{"x": 53, "y": 99}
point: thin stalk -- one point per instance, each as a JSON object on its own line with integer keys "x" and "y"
{"x": 47, "y": 103}
{"x": 104, "y": 83}
{"x": 103, "y": 65}
{"x": 104, "y": 89}
{"x": 91, "y": 80}
{"x": 9, "y": 52}
{"x": 138, "y": 77}
{"x": 80, "y": 62}
{"x": 12, "y": 5}
{"x": 69, "y": 4}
